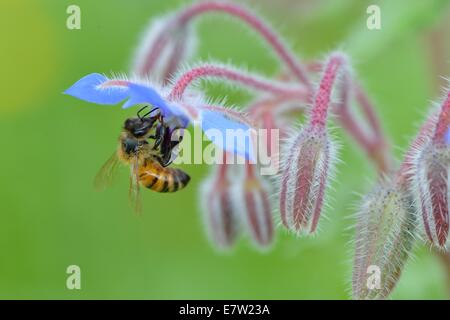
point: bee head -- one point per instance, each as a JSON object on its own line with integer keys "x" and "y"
{"x": 139, "y": 127}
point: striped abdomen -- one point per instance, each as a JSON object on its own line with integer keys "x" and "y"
{"x": 162, "y": 179}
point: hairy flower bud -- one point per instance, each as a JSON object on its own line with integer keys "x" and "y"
{"x": 429, "y": 177}
{"x": 384, "y": 238}
{"x": 310, "y": 158}
{"x": 251, "y": 200}
{"x": 219, "y": 218}
{"x": 305, "y": 175}
{"x": 430, "y": 186}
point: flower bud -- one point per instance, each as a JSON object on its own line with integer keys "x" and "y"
{"x": 430, "y": 178}
{"x": 304, "y": 178}
{"x": 166, "y": 44}
{"x": 219, "y": 217}
{"x": 251, "y": 200}
{"x": 430, "y": 187}
{"x": 384, "y": 238}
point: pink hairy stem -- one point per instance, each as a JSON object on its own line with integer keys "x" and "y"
{"x": 275, "y": 105}
{"x": 248, "y": 80}
{"x": 319, "y": 112}
{"x": 259, "y": 26}
{"x": 272, "y": 39}
{"x": 368, "y": 110}
{"x": 345, "y": 117}
{"x": 363, "y": 100}
{"x": 378, "y": 150}
{"x": 268, "y": 123}
{"x": 375, "y": 146}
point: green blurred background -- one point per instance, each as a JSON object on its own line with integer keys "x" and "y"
{"x": 53, "y": 145}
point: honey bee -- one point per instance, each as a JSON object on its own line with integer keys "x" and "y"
{"x": 146, "y": 145}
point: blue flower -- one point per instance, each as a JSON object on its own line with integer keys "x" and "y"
{"x": 97, "y": 88}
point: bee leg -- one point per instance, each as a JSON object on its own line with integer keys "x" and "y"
{"x": 158, "y": 137}
{"x": 168, "y": 146}
{"x": 165, "y": 158}
{"x": 166, "y": 162}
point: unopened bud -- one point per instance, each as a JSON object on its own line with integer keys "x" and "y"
{"x": 430, "y": 187}
{"x": 384, "y": 238}
{"x": 430, "y": 179}
{"x": 305, "y": 176}
{"x": 219, "y": 217}
{"x": 251, "y": 198}
{"x": 166, "y": 44}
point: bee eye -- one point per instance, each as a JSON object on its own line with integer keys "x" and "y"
{"x": 128, "y": 124}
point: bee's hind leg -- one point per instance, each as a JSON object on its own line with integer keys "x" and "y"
{"x": 166, "y": 158}
{"x": 158, "y": 137}
{"x": 167, "y": 146}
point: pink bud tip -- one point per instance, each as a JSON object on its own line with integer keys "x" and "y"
{"x": 304, "y": 179}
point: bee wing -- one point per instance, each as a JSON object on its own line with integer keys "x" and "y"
{"x": 134, "y": 193}
{"x": 107, "y": 172}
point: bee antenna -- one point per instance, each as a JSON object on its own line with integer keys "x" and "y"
{"x": 154, "y": 109}
{"x": 140, "y": 110}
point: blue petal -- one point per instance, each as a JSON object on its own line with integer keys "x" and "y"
{"x": 143, "y": 94}
{"x": 242, "y": 145}
{"x": 87, "y": 88}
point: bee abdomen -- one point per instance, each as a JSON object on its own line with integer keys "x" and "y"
{"x": 181, "y": 179}
{"x": 164, "y": 179}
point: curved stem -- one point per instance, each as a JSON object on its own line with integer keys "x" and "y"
{"x": 375, "y": 146}
{"x": 272, "y": 38}
{"x": 368, "y": 110}
{"x": 246, "y": 79}
{"x": 257, "y": 24}
{"x": 276, "y": 105}
{"x": 319, "y": 111}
